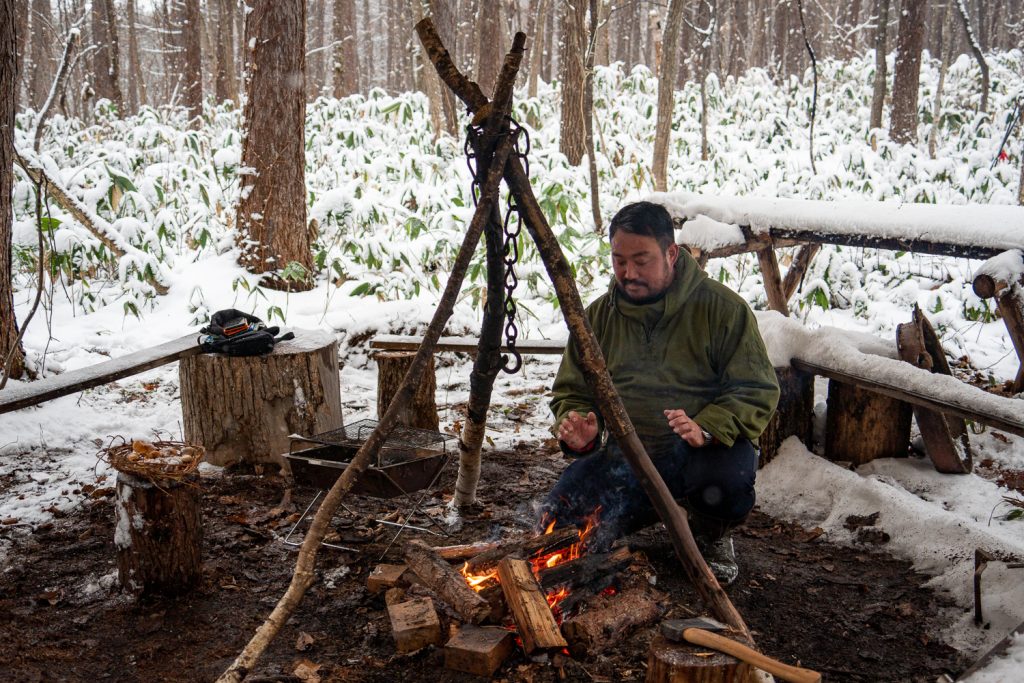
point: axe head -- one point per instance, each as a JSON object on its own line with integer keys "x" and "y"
{"x": 673, "y": 628}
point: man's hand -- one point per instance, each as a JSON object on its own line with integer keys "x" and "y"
{"x": 688, "y": 430}
{"x": 578, "y": 432}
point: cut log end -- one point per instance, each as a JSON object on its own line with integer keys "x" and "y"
{"x": 669, "y": 662}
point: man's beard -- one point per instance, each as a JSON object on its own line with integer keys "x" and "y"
{"x": 642, "y": 300}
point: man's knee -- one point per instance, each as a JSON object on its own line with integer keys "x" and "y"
{"x": 722, "y": 484}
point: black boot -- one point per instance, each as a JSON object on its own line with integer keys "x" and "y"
{"x": 715, "y": 544}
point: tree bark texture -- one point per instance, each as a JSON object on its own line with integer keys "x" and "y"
{"x": 907, "y": 76}
{"x": 443, "y": 579}
{"x": 225, "y": 82}
{"x": 881, "y": 67}
{"x": 244, "y": 408}
{"x": 608, "y": 620}
{"x": 490, "y": 46}
{"x": 8, "y": 103}
{"x": 536, "y": 47}
{"x": 794, "y": 415}
{"x": 444, "y": 20}
{"x": 193, "y": 63}
{"x": 666, "y": 94}
{"x": 272, "y": 210}
{"x": 862, "y": 425}
{"x": 594, "y": 366}
{"x": 944, "y": 39}
{"x": 588, "y": 118}
{"x": 105, "y": 59}
{"x": 572, "y": 140}
{"x": 158, "y": 535}
{"x": 391, "y": 369}
{"x": 346, "y": 49}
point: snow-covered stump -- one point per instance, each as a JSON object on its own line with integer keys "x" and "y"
{"x": 794, "y": 415}
{"x": 863, "y": 425}
{"x": 158, "y": 534}
{"x": 421, "y": 412}
{"x": 244, "y": 408}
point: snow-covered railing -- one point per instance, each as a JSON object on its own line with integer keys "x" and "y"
{"x": 724, "y": 226}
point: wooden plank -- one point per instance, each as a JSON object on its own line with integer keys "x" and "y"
{"x": 394, "y": 342}
{"x": 914, "y": 397}
{"x": 23, "y": 396}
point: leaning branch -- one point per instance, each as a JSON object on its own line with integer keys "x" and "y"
{"x": 100, "y": 229}
{"x": 57, "y": 89}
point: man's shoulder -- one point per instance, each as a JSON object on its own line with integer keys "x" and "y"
{"x": 714, "y": 293}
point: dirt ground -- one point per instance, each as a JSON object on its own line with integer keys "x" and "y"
{"x": 853, "y": 614}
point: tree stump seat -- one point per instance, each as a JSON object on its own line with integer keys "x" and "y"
{"x": 244, "y": 408}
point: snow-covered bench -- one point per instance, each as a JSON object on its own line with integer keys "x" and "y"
{"x": 718, "y": 226}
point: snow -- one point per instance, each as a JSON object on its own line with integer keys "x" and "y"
{"x": 996, "y": 227}
{"x": 1006, "y": 267}
{"x": 390, "y": 204}
{"x": 1005, "y": 668}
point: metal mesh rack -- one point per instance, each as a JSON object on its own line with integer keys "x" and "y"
{"x": 404, "y": 443}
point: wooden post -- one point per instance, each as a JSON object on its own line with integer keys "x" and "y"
{"x": 669, "y": 662}
{"x": 863, "y": 425}
{"x": 391, "y": 369}
{"x": 772, "y": 280}
{"x": 794, "y": 415}
{"x": 1009, "y": 298}
{"x": 536, "y": 624}
{"x": 158, "y": 534}
{"x": 244, "y": 408}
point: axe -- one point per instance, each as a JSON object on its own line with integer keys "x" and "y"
{"x": 704, "y": 632}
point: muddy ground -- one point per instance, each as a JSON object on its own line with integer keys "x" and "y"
{"x": 853, "y": 614}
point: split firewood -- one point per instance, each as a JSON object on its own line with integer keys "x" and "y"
{"x": 478, "y": 650}
{"x": 444, "y": 580}
{"x": 414, "y": 624}
{"x": 536, "y": 625}
{"x": 523, "y": 548}
{"x": 611, "y": 618}
{"x": 385, "y": 576}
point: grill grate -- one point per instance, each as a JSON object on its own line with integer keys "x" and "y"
{"x": 402, "y": 444}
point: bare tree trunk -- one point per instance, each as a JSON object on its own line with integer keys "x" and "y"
{"x": 193, "y": 63}
{"x": 781, "y": 39}
{"x": 945, "y": 53}
{"x": 550, "y": 60}
{"x": 21, "y": 24}
{"x": 272, "y": 211}
{"x": 317, "y": 26}
{"x": 705, "y": 69}
{"x": 441, "y": 11}
{"x": 105, "y": 59}
{"x": 490, "y": 46}
{"x": 903, "y": 124}
{"x": 137, "y": 90}
{"x": 226, "y": 82}
{"x": 881, "y": 75}
{"x": 654, "y": 31}
{"x": 345, "y": 52}
{"x": 979, "y": 56}
{"x": 588, "y": 117}
{"x": 666, "y": 94}
{"x": 572, "y": 142}
{"x": 42, "y": 57}
{"x": 12, "y": 356}
{"x": 603, "y": 54}
{"x": 536, "y": 46}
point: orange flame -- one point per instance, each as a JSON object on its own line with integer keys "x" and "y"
{"x": 480, "y": 580}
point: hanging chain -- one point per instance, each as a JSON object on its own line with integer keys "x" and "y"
{"x": 512, "y": 229}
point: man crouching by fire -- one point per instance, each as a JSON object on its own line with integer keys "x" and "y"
{"x": 687, "y": 358}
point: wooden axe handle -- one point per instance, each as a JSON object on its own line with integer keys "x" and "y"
{"x": 795, "y": 674}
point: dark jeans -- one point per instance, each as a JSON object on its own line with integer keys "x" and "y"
{"x": 714, "y": 483}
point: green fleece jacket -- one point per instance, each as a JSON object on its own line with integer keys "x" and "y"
{"x": 698, "y": 348}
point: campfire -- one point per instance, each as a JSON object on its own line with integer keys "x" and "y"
{"x": 528, "y": 592}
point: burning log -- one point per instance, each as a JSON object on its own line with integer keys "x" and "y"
{"x": 537, "y": 626}
{"x": 478, "y": 650}
{"x": 611, "y": 619}
{"x": 523, "y": 548}
{"x": 456, "y": 553}
{"x": 443, "y": 579}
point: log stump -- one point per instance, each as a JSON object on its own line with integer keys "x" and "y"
{"x": 158, "y": 534}
{"x": 244, "y": 408}
{"x": 669, "y": 662}
{"x": 793, "y": 417}
{"x": 391, "y": 369}
{"x": 863, "y": 425}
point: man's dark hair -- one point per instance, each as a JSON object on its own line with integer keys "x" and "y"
{"x": 644, "y": 218}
